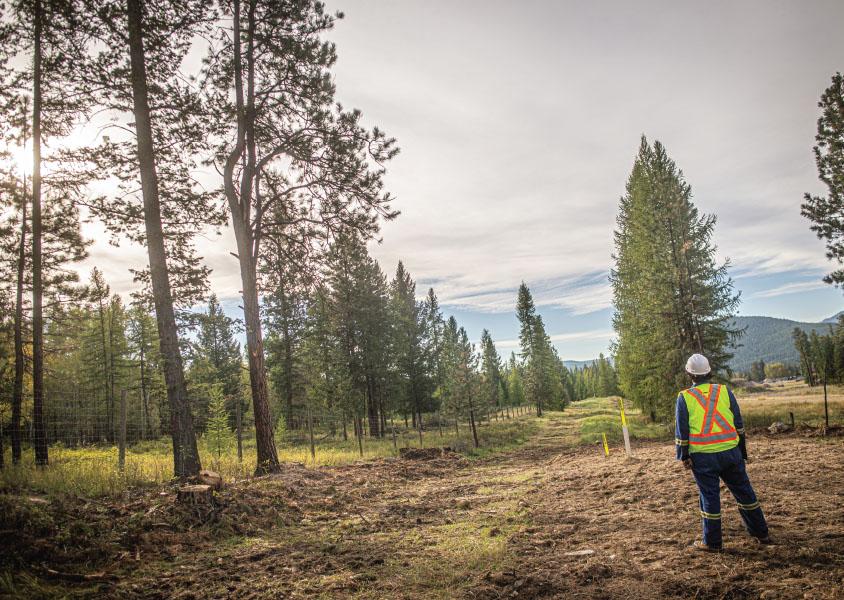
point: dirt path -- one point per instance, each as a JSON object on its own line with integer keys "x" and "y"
{"x": 549, "y": 519}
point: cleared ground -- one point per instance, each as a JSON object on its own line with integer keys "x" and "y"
{"x": 553, "y": 518}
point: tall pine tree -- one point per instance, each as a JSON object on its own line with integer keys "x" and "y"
{"x": 827, "y": 212}
{"x": 671, "y": 298}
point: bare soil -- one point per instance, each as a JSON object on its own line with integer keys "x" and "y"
{"x": 548, "y": 520}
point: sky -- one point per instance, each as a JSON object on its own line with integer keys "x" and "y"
{"x": 519, "y": 122}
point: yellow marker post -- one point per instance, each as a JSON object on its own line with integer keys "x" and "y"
{"x": 606, "y": 446}
{"x": 624, "y": 428}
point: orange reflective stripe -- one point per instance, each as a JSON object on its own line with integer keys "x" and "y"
{"x": 710, "y": 417}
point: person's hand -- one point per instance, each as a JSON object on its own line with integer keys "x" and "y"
{"x": 687, "y": 463}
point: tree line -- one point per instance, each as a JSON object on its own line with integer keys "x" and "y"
{"x": 295, "y": 168}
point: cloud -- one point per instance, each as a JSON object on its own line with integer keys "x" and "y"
{"x": 576, "y": 336}
{"x": 518, "y": 129}
{"x": 790, "y": 288}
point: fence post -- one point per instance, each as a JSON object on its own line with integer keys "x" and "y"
{"x": 419, "y": 423}
{"x": 311, "y": 433}
{"x": 359, "y": 421}
{"x": 624, "y": 429}
{"x": 239, "y": 423}
{"x": 121, "y": 452}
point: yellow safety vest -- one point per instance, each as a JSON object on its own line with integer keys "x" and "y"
{"x": 711, "y": 424}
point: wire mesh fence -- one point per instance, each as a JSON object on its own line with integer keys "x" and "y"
{"x": 127, "y": 434}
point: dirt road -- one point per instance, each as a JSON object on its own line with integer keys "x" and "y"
{"x": 547, "y": 520}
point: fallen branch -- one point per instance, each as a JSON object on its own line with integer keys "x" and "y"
{"x": 79, "y": 577}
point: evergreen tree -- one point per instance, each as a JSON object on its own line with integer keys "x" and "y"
{"x": 328, "y": 380}
{"x": 358, "y": 303}
{"x": 216, "y": 363}
{"x": 410, "y": 347}
{"x": 825, "y": 212}
{"x": 46, "y": 30}
{"x": 292, "y": 146}
{"x": 757, "y": 371}
{"x": 448, "y": 393}
{"x": 142, "y": 337}
{"x": 285, "y": 279}
{"x": 218, "y": 435}
{"x": 671, "y": 299}
{"x": 804, "y": 350}
{"x": 491, "y": 371}
{"x": 435, "y": 335}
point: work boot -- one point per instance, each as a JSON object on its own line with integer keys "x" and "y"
{"x": 703, "y": 547}
{"x": 765, "y": 541}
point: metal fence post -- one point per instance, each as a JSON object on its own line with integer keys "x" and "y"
{"x": 121, "y": 453}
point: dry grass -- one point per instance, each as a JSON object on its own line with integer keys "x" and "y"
{"x": 92, "y": 470}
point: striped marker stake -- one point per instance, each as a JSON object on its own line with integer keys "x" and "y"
{"x": 624, "y": 428}
{"x": 606, "y": 446}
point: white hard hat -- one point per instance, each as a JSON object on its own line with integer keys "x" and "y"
{"x": 698, "y": 364}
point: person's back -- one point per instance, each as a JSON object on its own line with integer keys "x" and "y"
{"x": 710, "y": 441}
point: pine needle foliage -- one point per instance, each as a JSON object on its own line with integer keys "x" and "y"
{"x": 671, "y": 298}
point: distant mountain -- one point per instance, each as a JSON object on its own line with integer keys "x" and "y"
{"x": 765, "y": 338}
{"x": 769, "y": 339}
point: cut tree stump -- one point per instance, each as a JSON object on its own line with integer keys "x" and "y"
{"x": 195, "y": 494}
{"x": 211, "y": 478}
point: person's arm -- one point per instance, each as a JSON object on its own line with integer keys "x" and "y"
{"x": 681, "y": 430}
{"x": 738, "y": 422}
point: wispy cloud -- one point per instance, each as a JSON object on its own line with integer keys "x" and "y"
{"x": 790, "y": 288}
{"x": 596, "y": 334}
{"x": 498, "y": 183}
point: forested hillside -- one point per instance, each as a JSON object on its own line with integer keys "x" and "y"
{"x": 768, "y": 339}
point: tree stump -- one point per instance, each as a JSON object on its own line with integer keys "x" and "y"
{"x": 211, "y": 478}
{"x": 195, "y": 494}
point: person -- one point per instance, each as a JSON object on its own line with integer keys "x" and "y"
{"x": 710, "y": 441}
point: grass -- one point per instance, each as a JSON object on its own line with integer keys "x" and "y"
{"x": 91, "y": 471}
{"x": 597, "y": 416}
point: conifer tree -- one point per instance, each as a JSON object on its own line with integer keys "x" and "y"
{"x": 825, "y": 212}
{"x": 48, "y": 32}
{"x": 218, "y": 436}
{"x": 491, "y": 371}
{"x": 410, "y": 347}
{"x": 285, "y": 280}
{"x": 435, "y": 334}
{"x": 132, "y": 68}
{"x": 215, "y": 362}
{"x": 449, "y": 393}
{"x": 671, "y": 298}
{"x": 287, "y": 143}
{"x": 142, "y": 336}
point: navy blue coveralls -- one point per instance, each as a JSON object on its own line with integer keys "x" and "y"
{"x": 728, "y": 465}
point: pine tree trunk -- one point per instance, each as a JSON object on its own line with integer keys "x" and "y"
{"x": 372, "y": 409}
{"x": 144, "y": 392}
{"x": 264, "y": 440}
{"x": 288, "y": 353}
{"x": 40, "y": 432}
{"x": 106, "y": 386}
{"x": 17, "y": 393}
{"x": 472, "y": 423}
{"x": 185, "y": 454}
{"x": 240, "y": 207}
